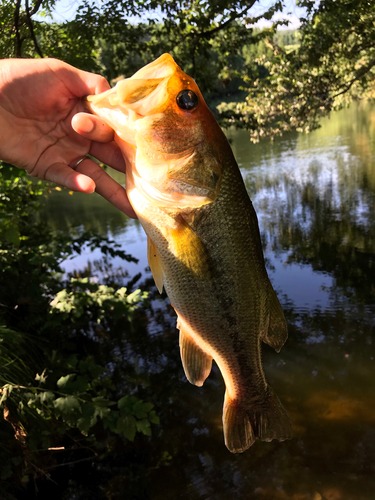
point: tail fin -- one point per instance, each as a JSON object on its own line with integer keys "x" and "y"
{"x": 265, "y": 420}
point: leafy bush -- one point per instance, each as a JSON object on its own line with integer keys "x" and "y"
{"x": 59, "y": 338}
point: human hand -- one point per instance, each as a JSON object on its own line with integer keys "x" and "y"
{"x": 43, "y": 127}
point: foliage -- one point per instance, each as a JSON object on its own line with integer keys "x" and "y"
{"x": 266, "y": 81}
{"x": 116, "y": 38}
{"x": 57, "y": 376}
{"x": 17, "y": 193}
{"x": 334, "y": 63}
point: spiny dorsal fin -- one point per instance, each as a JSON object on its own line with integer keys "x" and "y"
{"x": 197, "y": 364}
{"x": 277, "y": 333}
{"x": 155, "y": 264}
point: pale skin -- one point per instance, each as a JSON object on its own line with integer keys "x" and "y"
{"x": 45, "y": 130}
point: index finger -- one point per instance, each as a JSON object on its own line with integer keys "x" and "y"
{"x": 107, "y": 187}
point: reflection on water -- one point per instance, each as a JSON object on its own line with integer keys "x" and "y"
{"x": 315, "y": 199}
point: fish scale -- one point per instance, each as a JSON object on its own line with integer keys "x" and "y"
{"x": 204, "y": 244}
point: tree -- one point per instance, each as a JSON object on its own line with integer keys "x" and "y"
{"x": 61, "y": 360}
{"x": 334, "y": 64}
{"x": 120, "y": 36}
{"x": 247, "y": 74}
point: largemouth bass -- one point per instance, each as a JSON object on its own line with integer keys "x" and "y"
{"x": 204, "y": 244}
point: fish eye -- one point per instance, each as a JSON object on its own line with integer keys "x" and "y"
{"x": 187, "y": 99}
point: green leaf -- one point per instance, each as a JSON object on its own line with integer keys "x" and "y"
{"x": 72, "y": 361}
{"x": 139, "y": 409}
{"x": 153, "y": 418}
{"x": 126, "y": 425}
{"x": 62, "y": 382}
{"x": 102, "y": 412}
{"x": 88, "y": 418}
{"x": 81, "y": 384}
{"x": 144, "y": 427}
{"x": 46, "y": 396}
{"x": 12, "y": 235}
{"x": 147, "y": 407}
{"x": 67, "y": 405}
{"x": 124, "y": 403}
{"x": 134, "y": 297}
{"x": 102, "y": 402}
{"x": 68, "y": 384}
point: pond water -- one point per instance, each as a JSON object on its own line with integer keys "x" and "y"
{"x": 315, "y": 199}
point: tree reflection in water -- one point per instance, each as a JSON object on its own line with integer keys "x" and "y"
{"x": 315, "y": 197}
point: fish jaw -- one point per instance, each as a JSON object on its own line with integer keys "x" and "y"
{"x": 133, "y": 98}
{"x": 173, "y": 164}
{"x": 123, "y": 105}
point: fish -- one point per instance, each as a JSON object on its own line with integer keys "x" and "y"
{"x": 204, "y": 246}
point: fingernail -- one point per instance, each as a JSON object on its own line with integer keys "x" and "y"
{"x": 85, "y": 184}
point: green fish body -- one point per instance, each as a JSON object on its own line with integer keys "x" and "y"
{"x": 204, "y": 244}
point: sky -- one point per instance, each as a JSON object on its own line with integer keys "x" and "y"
{"x": 66, "y": 9}
{"x": 291, "y": 12}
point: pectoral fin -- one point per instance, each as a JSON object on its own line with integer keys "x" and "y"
{"x": 189, "y": 249}
{"x": 277, "y": 333}
{"x": 155, "y": 264}
{"x": 197, "y": 364}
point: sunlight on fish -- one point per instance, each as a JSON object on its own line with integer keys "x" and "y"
{"x": 204, "y": 245}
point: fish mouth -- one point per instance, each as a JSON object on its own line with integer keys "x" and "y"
{"x": 133, "y": 98}
{"x": 131, "y": 107}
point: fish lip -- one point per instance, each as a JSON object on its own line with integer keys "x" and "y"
{"x": 137, "y": 96}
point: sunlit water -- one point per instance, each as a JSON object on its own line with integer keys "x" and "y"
{"x": 315, "y": 200}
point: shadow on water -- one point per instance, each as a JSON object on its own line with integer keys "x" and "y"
{"x": 315, "y": 198}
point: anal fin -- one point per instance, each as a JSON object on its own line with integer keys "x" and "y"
{"x": 155, "y": 264}
{"x": 197, "y": 364}
{"x": 277, "y": 333}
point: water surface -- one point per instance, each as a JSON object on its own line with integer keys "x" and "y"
{"x": 315, "y": 199}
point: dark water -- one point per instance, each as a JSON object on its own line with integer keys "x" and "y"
{"x": 315, "y": 199}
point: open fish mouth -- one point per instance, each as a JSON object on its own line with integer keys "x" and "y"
{"x": 141, "y": 95}
{"x": 127, "y": 102}
{"x": 137, "y": 108}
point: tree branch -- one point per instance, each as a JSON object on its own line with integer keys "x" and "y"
{"x": 16, "y": 25}
{"x": 233, "y": 17}
{"x": 37, "y": 5}
{"x": 360, "y": 74}
{"x": 31, "y": 28}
